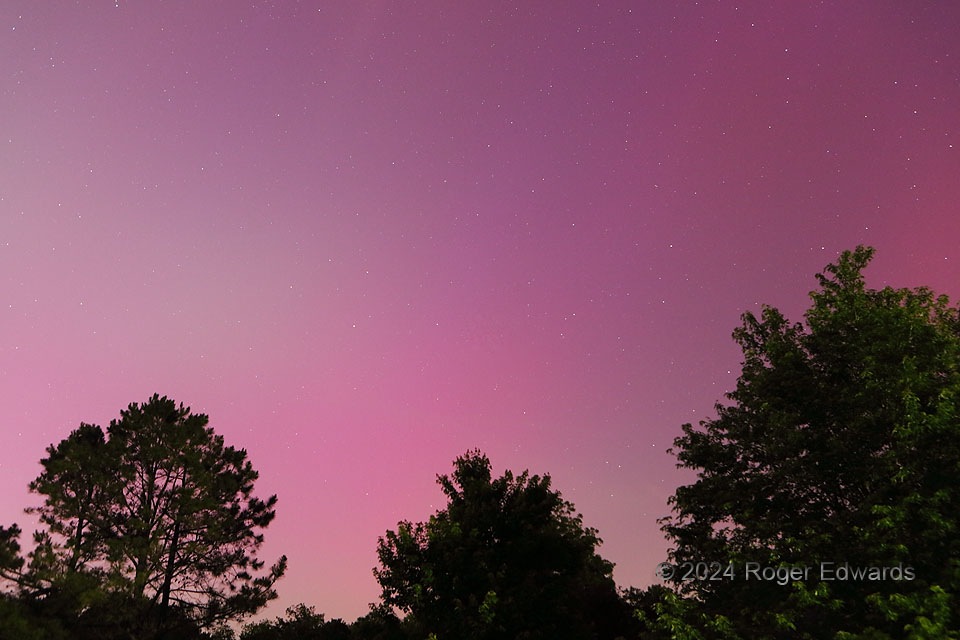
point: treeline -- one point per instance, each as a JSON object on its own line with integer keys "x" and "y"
{"x": 826, "y": 505}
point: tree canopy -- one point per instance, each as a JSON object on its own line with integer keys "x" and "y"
{"x": 507, "y": 558}
{"x": 841, "y": 444}
{"x": 156, "y": 517}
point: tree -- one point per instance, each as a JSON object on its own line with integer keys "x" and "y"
{"x": 381, "y": 623}
{"x": 160, "y": 513}
{"x": 11, "y": 562}
{"x": 300, "y": 623}
{"x": 17, "y": 618}
{"x": 841, "y": 445}
{"x": 507, "y": 558}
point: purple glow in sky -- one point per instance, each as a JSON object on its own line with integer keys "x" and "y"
{"x": 366, "y": 237}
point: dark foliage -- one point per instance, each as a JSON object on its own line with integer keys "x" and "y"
{"x": 152, "y": 531}
{"x": 300, "y": 623}
{"x": 507, "y": 558}
{"x": 380, "y": 624}
{"x": 841, "y": 444}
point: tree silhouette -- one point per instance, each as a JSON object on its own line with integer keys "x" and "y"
{"x": 300, "y": 622}
{"x": 159, "y": 512}
{"x": 381, "y": 623}
{"x": 841, "y": 445}
{"x": 507, "y": 558}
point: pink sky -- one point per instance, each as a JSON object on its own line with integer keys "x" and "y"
{"x": 366, "y": 237}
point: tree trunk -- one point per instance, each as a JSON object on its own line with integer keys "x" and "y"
{"x": 78, "y": 540}
{"x": 168, "y": 573}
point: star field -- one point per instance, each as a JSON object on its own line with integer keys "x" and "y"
{"x": 366, "y": 237}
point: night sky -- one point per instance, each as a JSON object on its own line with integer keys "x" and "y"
{"x": 365, "y": 237}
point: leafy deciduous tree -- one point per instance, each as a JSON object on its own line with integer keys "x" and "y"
{"x": 507, "y": 558}
{"x": 381, "y": 623}
{"x": 841, "y": 445}
{"x": 300, "y": 622}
